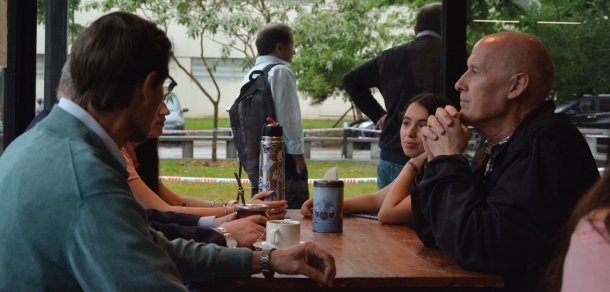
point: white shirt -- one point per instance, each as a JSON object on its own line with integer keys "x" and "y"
{"x": 285, "y": 99}
{"x": 81, "y": 114}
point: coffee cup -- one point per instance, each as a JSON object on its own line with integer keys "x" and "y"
{"x": 246, "y": 210}
{"x": 283, "y": 233}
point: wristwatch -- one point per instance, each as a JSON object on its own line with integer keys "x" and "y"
{"x": 265, "y": 265}
{"x": 231, "y": 242}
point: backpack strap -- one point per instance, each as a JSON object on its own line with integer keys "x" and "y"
{"x": 263, "y": 72}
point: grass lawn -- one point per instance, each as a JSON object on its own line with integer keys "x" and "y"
{"x": 207, "y": 124}
{"x": 226, "y": 168}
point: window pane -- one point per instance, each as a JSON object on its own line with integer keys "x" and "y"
{"x": 226, "y": 71}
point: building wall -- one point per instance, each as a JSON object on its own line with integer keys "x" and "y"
{"x": 188, "y": 92}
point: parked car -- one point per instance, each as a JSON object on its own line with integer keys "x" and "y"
{"x": 175, "y": 119}
{"x": 365, "y": 124}
{"x": 590, "y": 111}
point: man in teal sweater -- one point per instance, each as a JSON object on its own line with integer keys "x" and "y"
{"x": 69, "y": 220}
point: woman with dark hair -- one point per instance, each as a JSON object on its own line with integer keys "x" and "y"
{"x": 392, "y": 204}
{"x": 584, "y": 258}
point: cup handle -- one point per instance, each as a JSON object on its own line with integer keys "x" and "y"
{"x": 275, "y": 239}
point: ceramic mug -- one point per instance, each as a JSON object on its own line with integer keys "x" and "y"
{"x": 283, "y": 233}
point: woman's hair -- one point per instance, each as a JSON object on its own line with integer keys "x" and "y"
{"x": 147, "y": 154}
{"x": 598, "y": 197}
{"x": 430, "y": 101}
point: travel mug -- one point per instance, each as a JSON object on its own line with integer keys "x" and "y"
{"x": 271, "y": 174}
{"x": 328, "y": 206}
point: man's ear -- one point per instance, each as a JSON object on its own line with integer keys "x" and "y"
{"x": 279, "y": 48}
{"x": 519, "y": 84}
{"x": 150, "y": 87}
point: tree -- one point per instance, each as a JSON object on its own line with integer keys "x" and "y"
{"x": 231, "y": 23}
{"x": 336, "y": 36}
{"x": 73, "y": 28}
{"x": 580, "y": 53}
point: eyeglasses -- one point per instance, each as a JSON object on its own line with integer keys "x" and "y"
{"x": 168, "y": 86}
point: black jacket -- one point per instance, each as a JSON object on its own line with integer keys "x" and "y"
{"x": 399, "y": 74}
{"x": 180, "y": 225}
{"x": 504, "y": 223}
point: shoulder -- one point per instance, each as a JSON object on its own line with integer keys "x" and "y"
{"x": 555, "y": 128}
{"x": 281, "y": 71}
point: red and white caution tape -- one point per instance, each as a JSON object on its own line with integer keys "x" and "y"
{"x": 247, "y": 181}
{"x": 224, "y": 130}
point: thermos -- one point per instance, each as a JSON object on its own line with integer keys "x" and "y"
{"x": 328, "y": 206}
{"x": 271, "y": 174}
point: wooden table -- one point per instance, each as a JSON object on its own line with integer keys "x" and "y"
{"x": 371, "y": 256}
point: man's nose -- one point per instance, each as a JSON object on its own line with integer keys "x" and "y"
{"x": 460, "y": 85}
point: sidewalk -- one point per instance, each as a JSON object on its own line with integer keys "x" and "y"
{"x": 203, "y": 150}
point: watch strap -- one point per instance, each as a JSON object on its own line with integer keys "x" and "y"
{"x": 231, "y": 242}
{"x": 265, "y": 264}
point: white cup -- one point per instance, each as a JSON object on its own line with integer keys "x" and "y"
{"x": 283, "y": 233}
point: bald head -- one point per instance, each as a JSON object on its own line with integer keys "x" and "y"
{"x": 522, "y": 53}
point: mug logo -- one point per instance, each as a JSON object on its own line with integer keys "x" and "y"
{"x": 269, "y": 149}
{"x": 278, "y": 175}
{"x": 264, "y": 186}
{"x": 325, "y": 212}
{"x": 267, "y": 165}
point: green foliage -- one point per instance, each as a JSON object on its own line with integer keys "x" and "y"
{"x": 336, "y": 36}
{"x": 74, "y": 29}
{"x": 579, "y": 53}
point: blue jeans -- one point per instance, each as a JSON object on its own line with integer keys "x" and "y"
{"x": 387, "y": 172}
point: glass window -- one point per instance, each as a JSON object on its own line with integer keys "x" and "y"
{"x": 172, "y": 103}
{"x": 226, "y": 71}
{"x": 39, "y": 66}
{"x": 604, "y": 104}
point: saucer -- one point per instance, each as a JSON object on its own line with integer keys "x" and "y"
{"x": 261, "y": 244}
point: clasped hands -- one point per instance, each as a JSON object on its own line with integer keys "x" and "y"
{"x": 445, "y": 134}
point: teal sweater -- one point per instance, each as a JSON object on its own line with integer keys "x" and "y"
{"x": 68, "y": 221}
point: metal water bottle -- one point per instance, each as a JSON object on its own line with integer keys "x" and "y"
{"x": 271, "y": 174}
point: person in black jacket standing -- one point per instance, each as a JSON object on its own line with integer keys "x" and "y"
{"x": 399, "y": 73}
{"x": 500, "y": 215}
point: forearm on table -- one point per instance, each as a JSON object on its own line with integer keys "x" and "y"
{"x": 192, "y": 202}
{"x": 364, "y": 203}
{"x": 396, "y": 207}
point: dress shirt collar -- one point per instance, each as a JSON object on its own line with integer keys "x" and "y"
{"x": 81, "y": 114}
{"x": 270, "y": 59}
{"x": 428, "y": 32}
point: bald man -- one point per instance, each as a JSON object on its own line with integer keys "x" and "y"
{"x": 500, "y": 214}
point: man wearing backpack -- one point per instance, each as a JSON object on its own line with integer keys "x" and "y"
{"x": 275, "y": 45}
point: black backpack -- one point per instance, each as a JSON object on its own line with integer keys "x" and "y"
{"x": 248, "y": 116}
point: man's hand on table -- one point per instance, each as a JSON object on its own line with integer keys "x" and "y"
{"x": 304, "y": 259}
{"x": 246, "y": 231}
{"x": 445, "y": 133}
{"x": 277, "y": 209}
{"x": 307, "y": 208}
